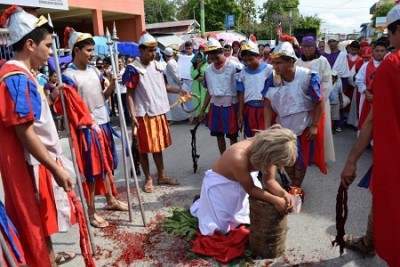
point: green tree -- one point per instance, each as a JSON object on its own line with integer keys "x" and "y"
{"x": 215, "y": 11}
{"x": 284, "y": 11}
{"x": 248, "y": 16}
{"x": 309, "y": 22}
{"x": 159, "y": 11}
{"x": 381, "y": 12}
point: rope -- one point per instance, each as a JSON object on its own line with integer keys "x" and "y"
{"x": 341, "y": 217}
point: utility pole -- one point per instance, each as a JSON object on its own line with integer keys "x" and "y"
{"x": 290, "y": 15}
{"x": 202, "y": 19}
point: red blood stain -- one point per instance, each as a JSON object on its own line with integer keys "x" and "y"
{"x": 156, "y": 246}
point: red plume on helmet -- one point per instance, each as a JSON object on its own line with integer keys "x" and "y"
{"x": 253, "y": 38}
{"x": 6, "y": 15}
{"x": 67, "y": 35}
{"x": 287, "y": 38}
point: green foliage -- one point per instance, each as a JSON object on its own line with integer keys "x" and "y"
{"x": 159, "y": 11}
{"x": 215, "y": 11}
{"x": 181, "y": 224}
{"x": 275, "y": 11}
{"x": 381, "y": 12}
{"x": 309, "y": 22}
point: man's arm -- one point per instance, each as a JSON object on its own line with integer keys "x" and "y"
{"x": 34, "y": 146}
{"x": 317, "y": 116}
{"x": 267, "y": 113}
{"x": 349, "y": 171}
{"x": 273, "y": 194}
{"x": 111, "y": 87}
{"x": 131, "y": 106}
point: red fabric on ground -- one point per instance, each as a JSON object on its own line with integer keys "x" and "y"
{"x": 223, "y": 248}
{"x": 386, "y": 155}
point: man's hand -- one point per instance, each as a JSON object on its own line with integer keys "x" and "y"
{"x": 56, "y": 91}
{"x": 62, "y": 179}
{"x": 202, "y": 116}
{"x": 240, "y": 120}
{"x": 284, "y": 204}
{"x": 348, "y": 174}
{"x": 312, "y": 132}
{"x": 134, "y": 122}
{"x": 184, "y": 93}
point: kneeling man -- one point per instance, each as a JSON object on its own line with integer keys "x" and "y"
{"x": 223, "y": 202}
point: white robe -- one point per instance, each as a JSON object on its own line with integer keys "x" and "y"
{"x": 223, "y": 204}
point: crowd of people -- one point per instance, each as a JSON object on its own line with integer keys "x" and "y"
{"x": 285, "y": 102}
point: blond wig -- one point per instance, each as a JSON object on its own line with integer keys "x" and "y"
{"x": 274, "y": 146}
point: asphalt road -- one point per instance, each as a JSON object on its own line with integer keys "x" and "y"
{"x": 310, "y": 232}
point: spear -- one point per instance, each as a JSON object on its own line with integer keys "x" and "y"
{"x": 124, "y": 130}
{"x": 71, "y": 145}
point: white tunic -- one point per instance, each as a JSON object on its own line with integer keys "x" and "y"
{"x": 89, "y": 88}
{"x": 254, "y": 82}
{"x": 322, "y": 67}
{"x": 150, "y": 93}
{"x": 291, "y": 102}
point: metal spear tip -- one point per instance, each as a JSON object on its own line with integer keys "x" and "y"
{"x": 49, "y": 21}
{"x": 114, "y": 35}
{"x": 107, "y": 33}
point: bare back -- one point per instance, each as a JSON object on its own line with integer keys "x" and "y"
{"x": 234, "y": 163}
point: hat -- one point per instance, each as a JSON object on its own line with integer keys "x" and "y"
{"x": 71, "y": 37}
{"x": 284, "y": 49}
{"x": 366, "y": 52}
{"x": 364, "y": 44}
{"x": 235, "y": 43}
{"x": 212, "y": 45}
{"x": 334, "y": 37}
{"x": 308, "y": 41}
{"x": 20, "y": 23}
{"x": 394, "y": 14}
{"x": 251, "y": 47}
{"x": 147, "y": 40}
{"x": 169, "y": 52}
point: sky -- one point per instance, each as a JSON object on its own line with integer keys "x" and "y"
{"x": 338, "y": 16}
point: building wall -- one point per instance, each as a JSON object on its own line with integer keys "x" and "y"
{"x": 128, "y": 29}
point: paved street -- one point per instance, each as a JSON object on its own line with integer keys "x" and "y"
{"x": 310, "y": 232}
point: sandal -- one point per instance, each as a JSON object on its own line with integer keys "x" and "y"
{"x": 357, "y": 243}
{"x": 97, "y": 222}
{"x": 167, "y": 181}
{"x": 117, "y": 206}
{"x": 64, "y": 257}
{"x": 148, "y": 186}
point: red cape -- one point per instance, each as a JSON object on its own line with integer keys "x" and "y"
{"x": 386, "y": 171}
{"x": 79, "y": 115}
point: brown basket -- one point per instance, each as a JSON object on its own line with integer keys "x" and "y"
{"x": 268, "y": 229}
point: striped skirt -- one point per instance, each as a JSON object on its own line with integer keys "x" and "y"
{"x": 153, "y": 134}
